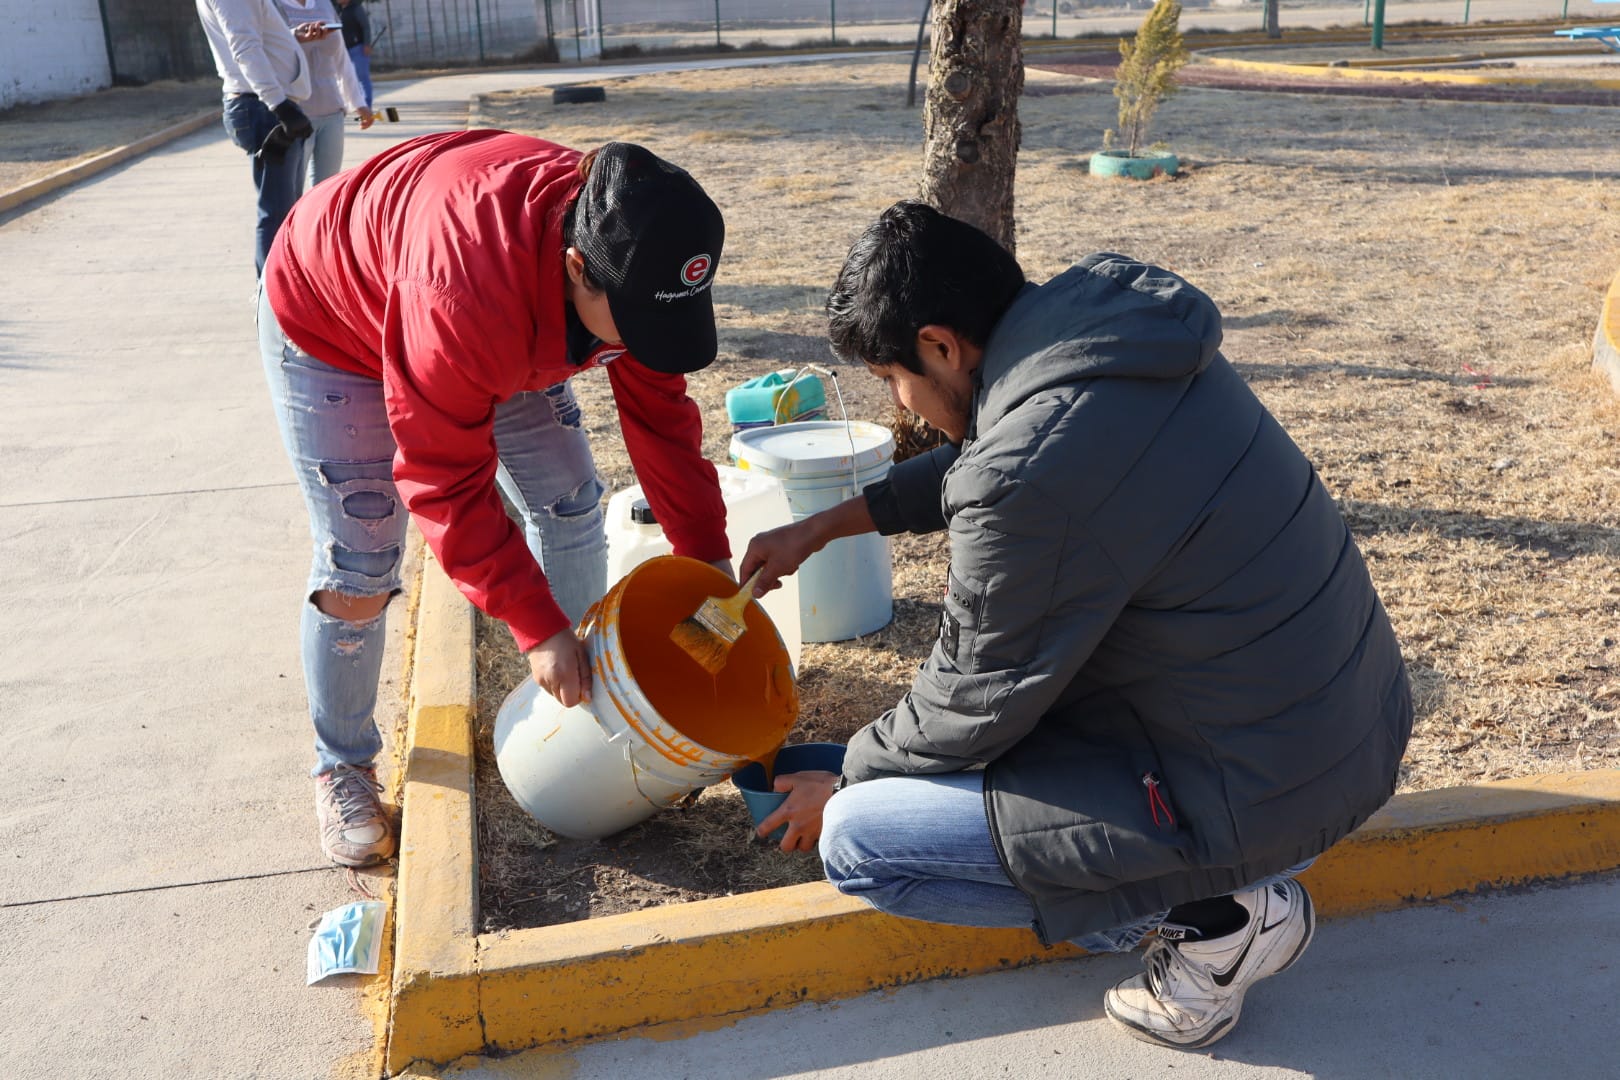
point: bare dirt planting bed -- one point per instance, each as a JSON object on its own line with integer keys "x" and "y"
{"x": 37, "y": 140}
{"x": 1411, "y": 286}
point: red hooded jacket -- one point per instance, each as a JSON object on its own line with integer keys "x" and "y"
{"x": 437, "y": 268}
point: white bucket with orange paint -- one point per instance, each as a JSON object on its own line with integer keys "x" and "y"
{"x": 658, "y": 726}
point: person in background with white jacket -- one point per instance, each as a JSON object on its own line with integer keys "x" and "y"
{"x": 265, "y": 76}
{"x": 334, "y": 89}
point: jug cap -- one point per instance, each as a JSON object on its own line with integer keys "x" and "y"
{"x": 641, "y": 512}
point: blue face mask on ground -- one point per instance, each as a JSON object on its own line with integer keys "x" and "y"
{"x": 348, "y": 940}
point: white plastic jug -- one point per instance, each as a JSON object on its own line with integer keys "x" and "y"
{"x": 847, "y": 588}
{"x": 755, "y": 502}
{"x": 657, "y": 726}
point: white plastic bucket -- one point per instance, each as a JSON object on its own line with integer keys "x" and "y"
{"x": 847, "y": 588}
{"x": 657, "y": 726}
{"x": 755, "y": 502}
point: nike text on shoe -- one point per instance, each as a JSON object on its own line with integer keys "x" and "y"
{"x": 354, "y": 827}
{"x": 1192, "y": 991}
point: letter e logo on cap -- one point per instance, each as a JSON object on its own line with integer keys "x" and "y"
{"x": 695, "y": 270}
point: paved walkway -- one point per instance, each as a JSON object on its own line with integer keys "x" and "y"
{"x": 158, "y": 860}
{"x": 1516, "y": 986}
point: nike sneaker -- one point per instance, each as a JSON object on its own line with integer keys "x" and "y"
{"x": 1192, "y": 990}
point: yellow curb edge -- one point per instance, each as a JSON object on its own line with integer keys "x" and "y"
{"x": 717, "y": 959}
{"x": 457, "y": 992}
{"x": 433, "y": 1012}
{"x": 1379, "y": 74}
{"x": 1605, "y": 350}
{"x": 34, "y": 189}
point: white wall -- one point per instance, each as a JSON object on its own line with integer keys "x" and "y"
{"x": 50, "y": 51}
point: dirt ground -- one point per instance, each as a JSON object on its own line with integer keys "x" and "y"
{"x": 1410, "y": 285}
{"x": 37, "y": 140}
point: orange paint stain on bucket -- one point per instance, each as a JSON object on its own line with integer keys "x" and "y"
{"x": 657, "y": 726}
{"x": 747, "y": 708}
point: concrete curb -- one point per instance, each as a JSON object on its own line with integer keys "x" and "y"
{"x": 459, "y": 992}
{"x": 1605, "y": 350}
{"x": 434, "y": 1009}
{"x": 18, "y": 196}
{"x": 1379, "y": 72}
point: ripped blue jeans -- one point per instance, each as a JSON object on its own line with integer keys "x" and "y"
{"x": 335, "y": 428}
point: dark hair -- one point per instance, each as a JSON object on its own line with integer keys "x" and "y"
{"x": 911, "y": 268}
{"x": 592, "y": 277}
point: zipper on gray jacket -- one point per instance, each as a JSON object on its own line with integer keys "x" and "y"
{"x": 1157, "y": 803}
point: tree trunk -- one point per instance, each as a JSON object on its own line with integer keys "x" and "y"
{"x": 970, "y": 122}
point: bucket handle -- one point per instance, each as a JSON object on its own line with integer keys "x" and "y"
{"x": 849, "y": 430}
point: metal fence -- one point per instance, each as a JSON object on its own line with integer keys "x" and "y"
{"x": 414, "y": 32}
{"x": 425, "y": 33}
{"x": 409, "y": 33}
{"x": 780, "y": 23}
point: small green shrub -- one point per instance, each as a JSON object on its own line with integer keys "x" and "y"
{"x": 1147, "y": 71}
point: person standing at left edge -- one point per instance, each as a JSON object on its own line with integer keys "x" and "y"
{"x": 421, "y": 317}
{"x": 265, "y": 77}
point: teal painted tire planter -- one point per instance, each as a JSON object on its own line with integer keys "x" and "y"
{"x": 1140, "y": 167}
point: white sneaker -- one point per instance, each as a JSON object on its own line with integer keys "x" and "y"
{"x": 1192, "y": 991}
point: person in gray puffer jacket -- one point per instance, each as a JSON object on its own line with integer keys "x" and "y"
{"x": 1163, "y": 681}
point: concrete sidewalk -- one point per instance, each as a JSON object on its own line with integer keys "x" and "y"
{"x": 1504, "y": 987}
{"x": 160, "y": 862}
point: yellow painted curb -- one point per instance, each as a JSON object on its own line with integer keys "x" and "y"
{"x": 457, "y": 992}
{"x": 1429, "y": 844}
{"x": 434, "y": 1009}
{"x": 1606, "y": 342}
{"x": 717, "y": 958}
{"x": 10, "y": 200}
{"x": 1377, "y": 74}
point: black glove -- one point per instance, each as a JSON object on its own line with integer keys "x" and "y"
{"x": 275, "y": 146}
{"x": 293, "y": 119}
{"x": 294, "y": 125}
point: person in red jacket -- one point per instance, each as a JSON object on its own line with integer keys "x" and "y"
{"x": 420, "y": 318}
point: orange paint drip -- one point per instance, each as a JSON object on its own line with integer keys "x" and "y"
{"x": 767, "y": 761}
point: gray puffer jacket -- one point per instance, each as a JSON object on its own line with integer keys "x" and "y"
{"x": 1159, "y": 638}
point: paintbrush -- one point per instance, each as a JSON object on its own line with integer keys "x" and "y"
{"x": 708, "y": 635}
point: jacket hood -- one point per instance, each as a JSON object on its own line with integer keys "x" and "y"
{"x": 1107, "y": 316}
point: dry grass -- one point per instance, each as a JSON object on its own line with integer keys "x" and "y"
{"x": 1410, "y": 286}
{"x": 37, "y": 140}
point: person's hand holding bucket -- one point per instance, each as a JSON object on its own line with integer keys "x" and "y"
{"x": 562, "y": 667}
{"x": 789, "y": 809}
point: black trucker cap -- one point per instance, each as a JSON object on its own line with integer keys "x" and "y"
{"x": 651, "y": 237}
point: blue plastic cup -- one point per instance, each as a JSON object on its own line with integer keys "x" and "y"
{"x": 800, "y": 757}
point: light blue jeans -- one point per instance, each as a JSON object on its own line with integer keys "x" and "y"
{"x": 920, "y": 847}
{"x": 323, "y": 151}
{"x": 335, "y": 429}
